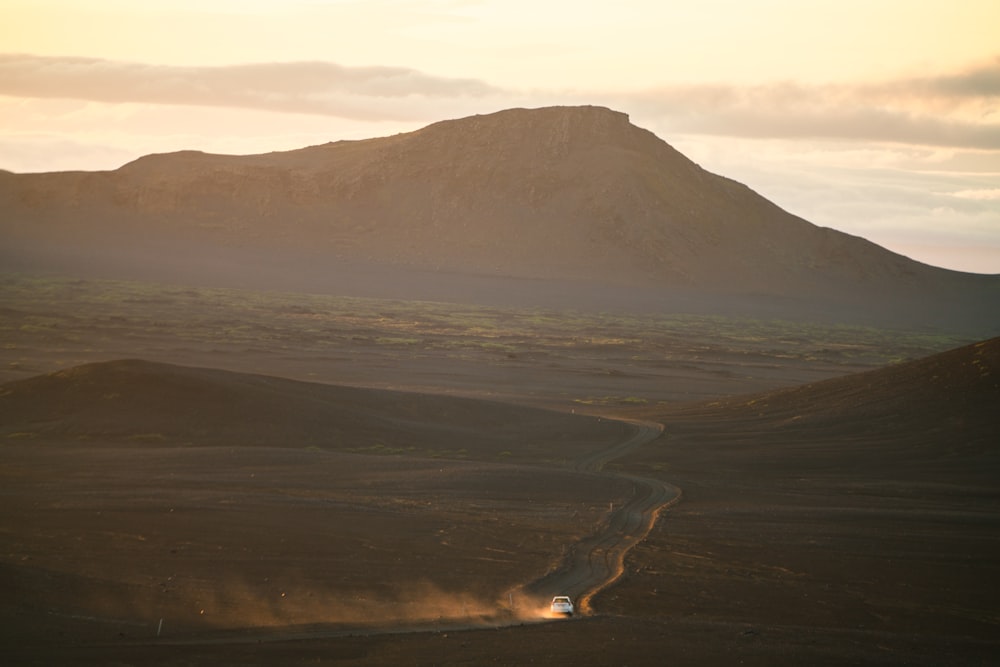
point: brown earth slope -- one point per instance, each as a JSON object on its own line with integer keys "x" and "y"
{"x": 574, "y": 194}
{"x": 925, "y": 414}
{"x": 851, "y": 521}
{"x": 135, "y": 401}
{"x": 136, "y": 491}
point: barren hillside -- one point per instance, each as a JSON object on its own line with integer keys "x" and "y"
{"x": 135, "y": 401}
{"x": 571, "y": 194}
{"x": 933, "y": 418}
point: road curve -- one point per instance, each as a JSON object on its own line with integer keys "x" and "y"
{"x": 597, "y": 561}
{"x": 590, "y": 566}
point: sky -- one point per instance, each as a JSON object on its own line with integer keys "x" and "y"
{"x": 880, "y": 118}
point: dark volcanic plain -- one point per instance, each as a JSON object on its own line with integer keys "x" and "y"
{"x": 355, "y": 416}
{"x": 853, "y": 520}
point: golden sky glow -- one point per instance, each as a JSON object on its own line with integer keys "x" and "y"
{"x": 528, "y": 42}
{"x": 896, "y": 103}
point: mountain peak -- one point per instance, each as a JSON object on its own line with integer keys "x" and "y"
{"x": 544, "y": 134}
{"x": 560, "y": 122}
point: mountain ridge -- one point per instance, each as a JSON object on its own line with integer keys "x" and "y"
{"x": 574, "y": 194}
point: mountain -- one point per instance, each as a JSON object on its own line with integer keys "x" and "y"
{"x": 569, "y": 195}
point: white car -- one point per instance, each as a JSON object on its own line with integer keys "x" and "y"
{"x": 561, "y": 604}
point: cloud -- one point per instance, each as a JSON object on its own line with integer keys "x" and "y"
{"x": 298, "y": 87}
{"x": 979, "y": 81}
{"x": 960, "y": 110}
{"x": 954, "y": 110}
{"x": 979, "y": 194}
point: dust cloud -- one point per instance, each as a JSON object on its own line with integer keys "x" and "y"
{"x": 271, "y": 604}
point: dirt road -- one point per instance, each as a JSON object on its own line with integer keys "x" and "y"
{"x": 597, "y": 561}
{"x": 590, "y": 566}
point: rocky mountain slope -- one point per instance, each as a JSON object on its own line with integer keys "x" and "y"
{"x": 574, "y": 194}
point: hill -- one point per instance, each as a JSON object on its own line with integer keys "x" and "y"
{"x": 932, "y": 417}
{"x": 854, "y": 519}
{"x": 143, "y": 497}
{"x": 566, "y": 195}
{"x": 135, "y": 401}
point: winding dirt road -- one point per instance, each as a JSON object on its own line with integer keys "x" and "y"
{"x": 597, "y": 561}
{"x": 590, "y": 566}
